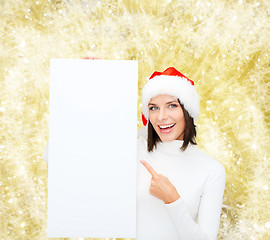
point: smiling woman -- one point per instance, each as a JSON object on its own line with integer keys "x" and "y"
{"x": 169, "y": 120}
{"x": 171, "y": 168}
{"x": 166, "y": 116}
{"x": 170, "y": 97}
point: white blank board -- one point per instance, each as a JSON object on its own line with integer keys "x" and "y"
{"x": 93, "y": 148}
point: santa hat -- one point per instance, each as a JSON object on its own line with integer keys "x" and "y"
{"x": 173, "y": 83}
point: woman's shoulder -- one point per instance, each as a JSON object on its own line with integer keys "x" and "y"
{"x": 141, "y": 139}
{"x": 213, "y": 164}
{"x": 142, "y": 133}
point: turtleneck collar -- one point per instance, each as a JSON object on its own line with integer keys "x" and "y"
{"x": 172, "y": 147}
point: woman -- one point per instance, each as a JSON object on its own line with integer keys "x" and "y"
{"x": 179, "y": 188}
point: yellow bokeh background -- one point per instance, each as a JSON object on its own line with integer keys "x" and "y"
{"x": 223, "y": 46}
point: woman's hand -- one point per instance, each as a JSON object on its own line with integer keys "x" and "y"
{"x": 161, "y": 187}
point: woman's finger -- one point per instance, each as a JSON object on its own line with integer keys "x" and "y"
{"x": 150, "y": 169}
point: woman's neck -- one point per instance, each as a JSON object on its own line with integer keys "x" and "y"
{"x": 172, "y": 147}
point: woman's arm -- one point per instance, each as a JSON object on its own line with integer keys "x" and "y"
{"x": 208, "y": 213}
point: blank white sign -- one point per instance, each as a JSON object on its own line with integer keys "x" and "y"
{"x": 93, "y": 148}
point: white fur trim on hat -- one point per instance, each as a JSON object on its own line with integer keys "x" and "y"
{"x": 178, "y": 87}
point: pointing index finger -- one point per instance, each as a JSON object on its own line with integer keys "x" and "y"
{"x": 149, "y": 168}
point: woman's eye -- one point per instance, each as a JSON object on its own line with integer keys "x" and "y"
{"x": 174, "y": 105}
{"x": 152, "y": 108}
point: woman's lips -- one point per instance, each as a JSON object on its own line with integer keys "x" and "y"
{"x": 166, "y": 130}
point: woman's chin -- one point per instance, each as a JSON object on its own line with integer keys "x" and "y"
{"x": 167, "y": 138}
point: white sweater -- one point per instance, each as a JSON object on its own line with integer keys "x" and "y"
{"x": 199, "y": 180}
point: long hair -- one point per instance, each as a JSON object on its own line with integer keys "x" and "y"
{"x": 189, "y": 132}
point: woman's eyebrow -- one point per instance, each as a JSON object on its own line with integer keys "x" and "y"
{"x": 174, "y": 101}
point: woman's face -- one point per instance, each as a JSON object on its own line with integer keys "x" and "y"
{"x": 165, "y": 111}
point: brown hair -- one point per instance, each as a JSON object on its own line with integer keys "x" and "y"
{"x": 189, "y": 133}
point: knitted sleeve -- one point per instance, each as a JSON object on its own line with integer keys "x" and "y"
{"x": 208, "y": 213}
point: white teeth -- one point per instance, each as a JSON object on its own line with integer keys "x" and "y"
{"x": 166, "y": 126}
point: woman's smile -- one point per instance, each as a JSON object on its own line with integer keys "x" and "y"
{"x": 166, "y": 128}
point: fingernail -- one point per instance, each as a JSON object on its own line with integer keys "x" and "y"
{"x": 142, "y": 161}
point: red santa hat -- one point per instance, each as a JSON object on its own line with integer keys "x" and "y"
{"x": 173, "y": 83}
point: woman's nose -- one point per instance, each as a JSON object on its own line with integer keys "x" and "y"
{"x": 163, "y": 114}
